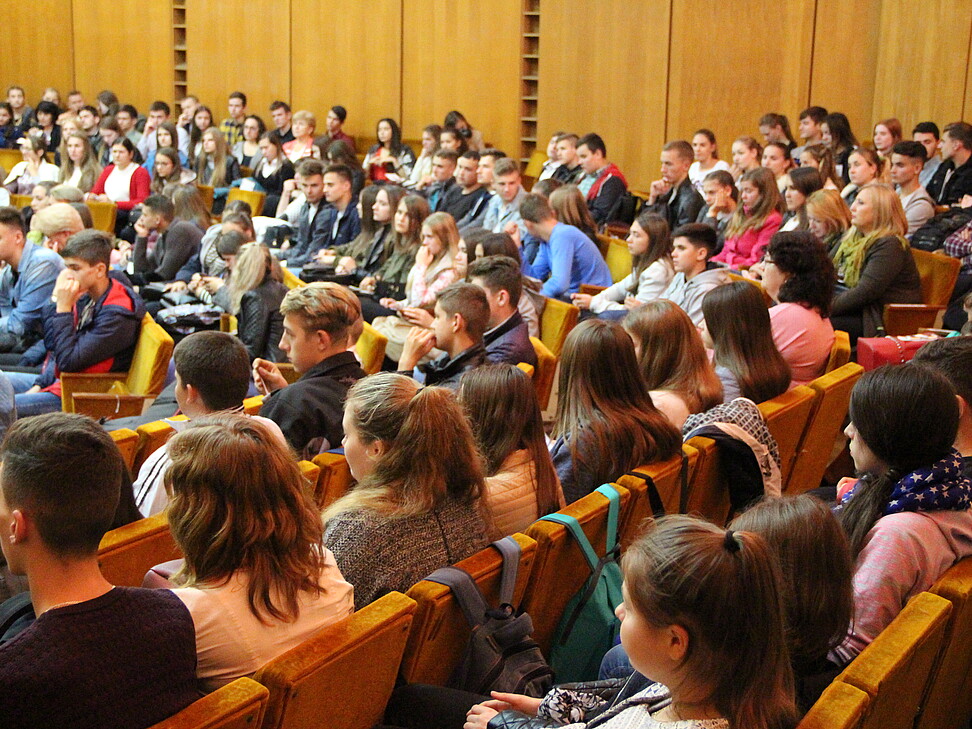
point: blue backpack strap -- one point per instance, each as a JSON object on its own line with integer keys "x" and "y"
{"x": 614, "y": 507}
{"x": 575, "y": 529}
{"x": 510, "y": 549}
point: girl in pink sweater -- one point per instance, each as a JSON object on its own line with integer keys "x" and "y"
{"x": 755, "y": 221}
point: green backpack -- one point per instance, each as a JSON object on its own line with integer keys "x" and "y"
{"x": 589, "y": 627}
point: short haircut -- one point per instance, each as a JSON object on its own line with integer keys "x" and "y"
{"x": 217, "y": 365}
{"x": 128, "y": 109}
{"x": 536, "y": 208}
{"x": 448, "y": 154}
{"x": 229, "y": 243}
{"x": 342, "y": 171}
{"x": 323, "y": 306}
{"x": 499, "y": 273}
{"x": 65, "y": 472}
{"x": 817, "y": 113}
{"x": 492, "y": 152}
{"x": 340, "y": 112}
{"x": 682, "y": 148}
{"x": 699, "y": 235}
{"x": 469, "y": 301}
{"x": 593, "y": 142}
{"x": 10, "y": 216}
{"x": 160, "y": 204}
{"x": 471, "y": 154}
{"x": 915, "y": 150}
{"x": 305, "y": 116}
{"x": 952, "y": 357}
{"x": 310, "y": 168}
{"x": 927, "y": 128}
{"x": 961, "y": 132}
{"x": 49, "y": 108}
{"x": 238, "y": 95}
{"x": 57, "y": 218}
{"x": 93, "y": 110}
{"x": 239, "y": 218}
{"x": 274, "y": 105}
{"x": 91, "y": 246}
{"x": 84, "y": 211}
{"x": 506, "y": 166}
{"x": 569, "y": 137}
{"x": 160, "y": 106}
{"x": 67, "y": 193}
{"x": 109, "y": 122}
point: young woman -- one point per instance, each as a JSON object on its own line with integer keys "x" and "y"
{"x": 606, "y": 423}
{"x": 389, "y": 160}
{"x": 365, "y": 255}
{"x": 9, "y": 132}
{"x": 838, "y": 137}
{"x": 257, "y": 579}
{"x": 450, "y": 138}
{"x": 79, "y": 167}
{"x": 340, "y": 152}
{"x": 421, "y": 174}
{"x": 747, "y": 154}
{"x": 124, "y": 182}
{"x": 737, "y": 328}
{"x": 887, "y": 133}
{"x": 776, "y": 158}
{"x": 107, "y": 103}
{"x": 272, "y": 170}
{"x": 214, "y": 166}
{"x": 389, "y": 281}
{"x": 687, "y": 585}
{"x": 247, "y": 150}
{"x": 828, "y": 218}
{"x": 46, "y": 115}
{"x": 255, "y": 297}
{"x": 650, "y": 245}
{"x": 169, "y": 170}
{"x": 907, "y": 517}
{"x": 473, "y": 137}
{"x": 672, "y": 361}
{"x": 418, "y": 502}
{"x": 820, "y": 158}
{"x": 799, "y": 275}
{"x": 166, "y": 137}
{"x": 570, "y": 206}
{"x": 202, "y": 119}
{"x": 863, "y": 167}
{"x": 33, "y": 169}
{"x": 303, "y": 125}
{"x": 755, "y": 221}
{"x": 521, "y": 483}
{"x": 721, "y": 200}
{"x": 706, "y": 157}
{"x": 189, "y": 204}
{"x": 802, "y": 182}
{"x": 874, "y": 263}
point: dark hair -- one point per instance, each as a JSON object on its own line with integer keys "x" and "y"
{"x": 699, "y": 235}
{"x": 160, "y": 204}
{"x": 10, "y": 216}
{"x": 915, "y": 150}
{"x": 499, "y": 273}
{"x": 840, "y": 131}
{"x": 261, "y": 125}
{"x": 242, "y": 219}
{"x": 492, "y": 152}
{"x": 90, "y": 108}
{"x": 817, "y": 113}
{"x": 453, "y": 118}
{"x": 460, "y": 139}
{"x": 498, "y": 244}
{"x": 536, "y": 208}
{"x": 340, "y": 152}
{"x": 811, "y": 275}
{"x": 961, "y": 132}
{"x": 908, "y": 416}
{"x": 229, "y": 243}
{"x": 49, "y": 108}
{"x": 778, "y": 120}
{"x": 433, "y": 129}
{"x": 128, "y": 109}
{"x": 65, "y": 471}
{"x": 659, "y": 246}
{"x": 91, "y": 246}
{"x": 710, "y": 135}
{"x": 927, "y": 128}
{"x": 238, "y": 95}
{"x": 471, "y": 154}
{"x": 806, "y": 181}
{"x": 742, "y": 337}
{"x": 448, "y": 154}
{"x": 340, "y": 112}
{"x": 217, "y": 365}
{"x": 342, "y": 171}
{"x": 274, "y": 105}
{"x": 469, "y": 301}
{"x": 952, "y": 357}
{"x": 547, "y": 186}
{"x": 310, "y": 168}
{"x": 395, "y": 145}
{"x": 129, "y": 145}
{"x": 160, "y": 106}
{"x": 724, "y": 178}
{"x": 593, "y": 142}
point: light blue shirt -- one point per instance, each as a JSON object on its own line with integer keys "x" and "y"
{"x": 22, "y": 301}
{"x": 570, "y": 258}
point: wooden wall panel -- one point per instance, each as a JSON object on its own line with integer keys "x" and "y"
{"x": 726, "y": 86}
{"x": 37, "y": 48}
{"x": 465, "y": 55}
{"x": 105, "y": 29}
{"x": 350, "y": 57}
{"x": 240, "y": 46}
{"x": 606, "y": 75}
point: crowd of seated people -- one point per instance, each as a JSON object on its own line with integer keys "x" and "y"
{"x": 452, "y": 256}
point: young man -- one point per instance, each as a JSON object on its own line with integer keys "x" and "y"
{"x": 59, "y": 488}
{"x": 953, "y": 179}
{"x": 126, "y": 117}
{"x": 187, "y": 110}
{"x": 503, "y": 209}
{"x": 569, "y": 171}
{"x": 232, "y": 127}
{"x": 952, "y": 357}
{"x": 23, "y": 113}
{"x": 567, "y": 258}
{"x": 158, "y": 113}
{"x": 674, "y": 197}
{"x": 809, "y": 129}
{"x": 336, "y": 117}
{"x": 907, "y": 160}
{"x": 281, "y": 115}
{"x": 928, "y": 135}
{"x": 318, "y": 319}
{"x": 177, "y": 242}
{"x": 307, "y": 221}
{"x": 89, "y": 119}
{"x": 444, "y": 163}
{"x": 552, "y": 162}
{"x": 337, "y": 223}
{"x": 461, "y": 317}
{"x": 603, "y": 183}
{"x": 92, "y": 326}
{"x": 692, "y": 246}
{"x": 212, "y": 371}
{"x": 467, "y": 193}
{"x": 26, "y": 282}
{"x": 484, "y": 176}
{"x": 507, "y": 338}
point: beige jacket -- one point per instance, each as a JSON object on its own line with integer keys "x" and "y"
{"x": 512, "y": 494}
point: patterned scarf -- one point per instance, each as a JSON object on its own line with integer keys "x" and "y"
{"x": 938, "y": 487}
{"x": 854, "y": 246}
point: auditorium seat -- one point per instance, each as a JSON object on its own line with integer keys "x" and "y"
{"x": 103, "y": 215}
{"x": 127, "y": 442}
{"x": 938, "y": 275}
{"x": 527, "y": 368}
{"x": 767, "y": 299}
{"x": 252, "y": 405}
{"x": 617, "y": 258}
{"x": 254, "y": 198}
{"x": 127, "y": 553}
{"x": 343, "y": 676}
{"x": 840, "y": 353}
{"x": 787, "y": 416}
{"x": 840, "y": 706}
{"x": 208, "y": 193}
{"x": 557, "y": 320}
{"x": 668, "y": 479}
{"x": 237, "y": 705}
{"x": 290, "y": 279}
{"x": 151, "y": 437}
{"x": 708, "y": 495}
{"x": 371, "y": 348}
{"x": 334, "y": 480}
{"x": 546, "y": 371}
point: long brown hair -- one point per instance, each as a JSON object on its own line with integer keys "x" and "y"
{"x": 569, "y": 204}
{"x": 90, "y": 167}
{"x": 418, "y": 210}
{"x": 739, "y": 324}
{"x": 239, "y": 503}
{"x": 723, "y": 588}
{"x": 604, "y": 407}
{"x": 671, "y": 354}
{"x": 429, "y": 451}
{"x": 501, "y": 403}
{"x": 659, "y": 246}
{"x": 769, "y": 201}
{"x": 218, "y": 178}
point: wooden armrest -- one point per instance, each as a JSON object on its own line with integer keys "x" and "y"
{"x": 905, "y": 319}
{"x": 591, "y": 289}
{"x": 107, "y": 405}
{"x": 91, "y": 382}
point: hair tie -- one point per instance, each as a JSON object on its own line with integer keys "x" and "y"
{"x": 730, "y": 543}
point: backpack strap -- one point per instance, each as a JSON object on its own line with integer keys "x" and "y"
{"x": 466, "y": 591}
{"x": 614, "y": 508}
{"x": 611, "y": 538}
{"x": 574, "y": 527}
{"x": 510, "y": 549}
{"x": 654, "y": 498}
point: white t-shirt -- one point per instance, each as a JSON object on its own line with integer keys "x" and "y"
{"x": 118, "y": 184}
{"x": 697, "y": 174}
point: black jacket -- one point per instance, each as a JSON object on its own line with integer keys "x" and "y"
{"x": 260, "y": 323}
{"x": 685, "y": 208}
{"x": 445, "y": 372}
{"x": 510, "y": 342}
{"x": 959, "y": 183}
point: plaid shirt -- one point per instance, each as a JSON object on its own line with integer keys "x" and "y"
{"x": 232, "y": 130}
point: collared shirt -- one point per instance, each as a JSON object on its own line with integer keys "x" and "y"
{"x": 232, "y": 130}
{"x": 498, "y": 213}
{"x": 25, "y": 292}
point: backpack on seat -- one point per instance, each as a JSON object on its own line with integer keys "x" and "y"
{"x": 501, "y": 655}
{"x": 589, "y": 627}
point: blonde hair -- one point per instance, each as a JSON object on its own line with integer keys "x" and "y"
{"x": 889, "y": 215}
{"x": 218, "y": 178}
{"x": 443, "y": 227}
{"x": 323, "y": 306}
{"x": 830, "y": 208}
{"x": 254, "y": 265}
{"x": 304, "y": 116}
{"x": 90, "y": 167}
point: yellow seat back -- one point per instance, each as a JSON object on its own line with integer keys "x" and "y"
{"x": 557, "y": 320}
{"x": 371, "y": 348}
{"x": 254, "y": 198}
{"x": 667, "y": 477}
{"x": 252, "y": 405}
{"x": 127, "y": 442}
{"x": 103, "y": 215}
{"x": 128, "y": 552}
{"x": 767, "y": 299}
{"x": 334, "y": 480}
{"x": 343, "y": 676}
{"x": 840, "y": 353}
{"x": 618, "y": 259}
{"x": 527, "y": 368}
{"x": 535, "y": 165}
{"x": 208, "y": 193}
{"x": 440, "y": 631}
{"x": 708, "y": 495}
{"x": 290, "y": 279}
{"x": 546, "y": 370}
{"x": 786, "y": 417}
{"x": 150, "y": 363}
{"x": 151, "y": 437}
{"x": 938, "y": 274}
{"x": 840, "y": 706}
{"x": 237, "y": 705}
{"x": 9, "y": 158}
{"x": 20, "y": 201}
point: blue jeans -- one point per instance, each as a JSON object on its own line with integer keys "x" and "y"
{"x": 615, "y": 664}
{"x": 34, "y": 403}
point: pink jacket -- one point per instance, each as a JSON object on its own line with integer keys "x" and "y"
{"x": 747, "y": 249}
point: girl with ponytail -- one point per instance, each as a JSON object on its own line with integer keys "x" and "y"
{"x": 907, "y": 516}
{"x": 418, "y": 502}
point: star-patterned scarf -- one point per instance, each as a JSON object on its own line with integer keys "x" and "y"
{"x": 939, "y": 487}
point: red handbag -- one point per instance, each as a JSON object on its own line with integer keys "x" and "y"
{"x": 872, "y": 352}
